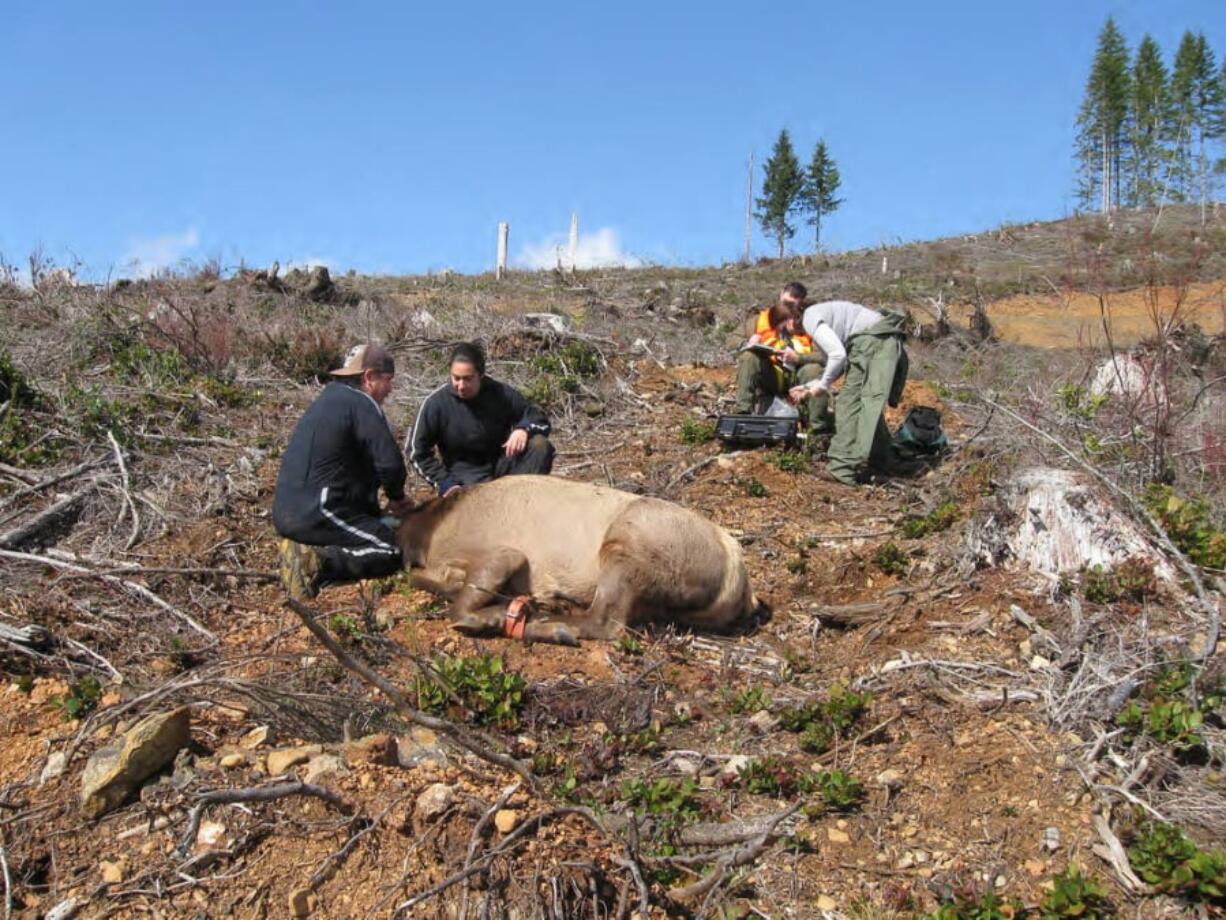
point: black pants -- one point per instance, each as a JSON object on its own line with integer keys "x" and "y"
{"x": 352, "y": 544}
{"x": 537, "y": 458}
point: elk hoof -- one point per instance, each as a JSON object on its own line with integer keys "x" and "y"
{"x": 473, "y": 625}
{"x": 554, "y": 633}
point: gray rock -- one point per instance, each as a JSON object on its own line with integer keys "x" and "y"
{"x": 419, "y": 746}
{"x": 763, "y": 722}
{"x": 64, "y": 910}
{"x": 323, "y": 765}
{"x": 280, "y": 761}
{"x": 56, "y": 764}
{"x": 115, "y": 771}
{"x": 432, "y": 803}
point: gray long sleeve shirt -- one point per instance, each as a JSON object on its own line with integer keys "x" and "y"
{"x": 831, "y": 325}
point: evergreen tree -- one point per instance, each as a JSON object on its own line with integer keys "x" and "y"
{"x": 781, "y": 190}
{"x": 1101, "y": 121}
{"x": 1147, "y": 121}
{"x": 1198, "y": 98}
{"x": 1181, "y": 128}
{"x": 821, "y": 183}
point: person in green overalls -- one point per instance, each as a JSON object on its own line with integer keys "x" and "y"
{"x": 868, "y": 344}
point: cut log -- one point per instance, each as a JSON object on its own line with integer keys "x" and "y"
{"x": 1054, "y": 521}
{"x": 45, "y": 521}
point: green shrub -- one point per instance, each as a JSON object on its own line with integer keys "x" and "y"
{"x": 816, "y": 738}
{"x": 750, "y": 699}
{"x": 676, "y": 802}
{"x": 95, "y": 415}
{"x": 755, "y": 489}
{"x": 1072, "y": 895}
{"x": 138, "y": 362}
{"x": 14, "y": 388}
{"x": 890, "y": 559}
{"x": 481, "y": 685}
{"x": 1079, "y": 403}
{"x": 775, "y": 776}
{"x": 1189, "y": 525}
{"x": 968, "y": 906}
{"x": 1168, "y": 710}
{"x": 790, "y": 461}
{"x": 1164, "y": 857}
{"x": 840, "y": 791}
{"x": 1132, "y": 581}
{"x": 694, "y": 431}
{"x": 80, "y": 700}
{"x": 574, "y": 359}
{"x": 939, "y": 519}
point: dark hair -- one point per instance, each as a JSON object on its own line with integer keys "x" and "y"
{"x": 779, "y": 313}
{"x": 469, "y": 353}
{"x": 796, "y": 290}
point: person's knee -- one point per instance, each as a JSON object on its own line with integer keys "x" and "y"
{"x": 809, "y": 372}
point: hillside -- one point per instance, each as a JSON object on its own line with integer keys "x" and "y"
{"x": 926, "y": 717}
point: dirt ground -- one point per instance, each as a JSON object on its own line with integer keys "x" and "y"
{"x": 1075, "y": 320}
{"x": 968, "y": 787}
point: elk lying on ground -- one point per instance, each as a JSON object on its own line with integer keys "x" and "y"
{"x": 594, "y": 560}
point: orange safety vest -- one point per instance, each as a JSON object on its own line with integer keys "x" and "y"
{"x": 777, "y": 338}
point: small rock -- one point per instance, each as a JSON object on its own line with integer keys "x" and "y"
{"x": 906, "y": 861}
{"x": 763, "y": 722}
{"x": 1035, "y": 867}
{"x": 232, "y": 760}
{"x": 1050, "y": 840}
{"x": 1039, "y": 663}
{"x": 375, "y": 749}
{"x": 891, "y": 779}
{"x": 685, "y": 766}
{"x": 211, "y": 836}
{"x": 280, "y": 761}
{"x": 734, "y": 765}
{"x": 114, "y": 772}
{"x": 56, "y": 764}
{"x": 837, "y": 836}
{"x": 112, "y": 872}
{"x": 525, "y": 745}
{"x": 255, "y": 737}
{"x": 506, "y": 820}
{"x": 1000, "y": 881}
{"x": 322, "y": 765}
{"x": 431, "y": 804}
{"x": 684, "y": 711}
{"x": 418, "y": 746}
{"x": 825, "y": 902}
{"x": 301, "y": 902}
{"x": 65, "y": 910}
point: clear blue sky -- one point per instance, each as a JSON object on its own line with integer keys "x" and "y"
{"x": 393, "y": 136}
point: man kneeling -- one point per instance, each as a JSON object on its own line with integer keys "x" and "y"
{"x": 327, "y": 496}
{"x": 475, "y": 428}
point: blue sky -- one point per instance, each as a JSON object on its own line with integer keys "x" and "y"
{"x": 393, "y": 137}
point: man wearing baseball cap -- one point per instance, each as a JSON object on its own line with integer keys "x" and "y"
{"x": 327, "y": 495}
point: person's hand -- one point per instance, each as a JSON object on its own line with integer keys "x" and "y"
{"x": 401, "y": 507}
{"x": 516, "y": 444}
{"x": 789, "y": 356}
{"x": 452, "y": 491}
{"x": 754, "y": 339}
{"x": 797, "y": 394}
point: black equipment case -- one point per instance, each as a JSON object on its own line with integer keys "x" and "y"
{"x": 756, "y": 430}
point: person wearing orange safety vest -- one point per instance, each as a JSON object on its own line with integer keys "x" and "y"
{"x": 762, "y": 376}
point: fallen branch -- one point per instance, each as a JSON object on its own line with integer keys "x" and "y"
{"x": 112, "y": 579}
{"x": 47, "y": 483}
{"x": 442, "y": 726}
{"x": 44, "y": 520}
{"x": 254, "y": 794}
{"x": 741, "y": 856}
{"x": 126, "y": 488}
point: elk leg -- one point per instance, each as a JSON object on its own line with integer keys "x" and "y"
{"x": 476, "y": 609}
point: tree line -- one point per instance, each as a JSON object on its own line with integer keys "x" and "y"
{"x": 1146, "y": 134}
{"x": 789, "y": 192}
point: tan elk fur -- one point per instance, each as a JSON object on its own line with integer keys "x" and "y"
{"x": 607, "y": 558}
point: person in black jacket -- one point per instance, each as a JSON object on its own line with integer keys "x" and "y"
{"x": 475, "y": 428}
{"x": 327, "y": 493}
